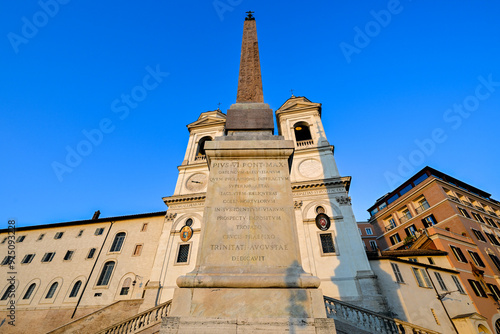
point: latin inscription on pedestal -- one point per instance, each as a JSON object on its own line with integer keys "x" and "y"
{"x": 249, "y": 214}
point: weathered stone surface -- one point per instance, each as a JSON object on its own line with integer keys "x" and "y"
{"x": 250, "y": 80}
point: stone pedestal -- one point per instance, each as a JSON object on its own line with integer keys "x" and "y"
{"x": 248, "y": 276}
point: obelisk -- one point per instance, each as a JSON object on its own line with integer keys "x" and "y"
{"x": 248, "y": 275}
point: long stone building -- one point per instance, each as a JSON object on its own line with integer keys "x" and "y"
{"x": 84, "y": 276}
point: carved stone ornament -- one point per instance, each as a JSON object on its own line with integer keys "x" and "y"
{"x": 297, "y": 204}
{"x": 171, "y": 216}
{"x": 343, "y": 200}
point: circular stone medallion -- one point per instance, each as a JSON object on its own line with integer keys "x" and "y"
{"x": 310, "y": 168}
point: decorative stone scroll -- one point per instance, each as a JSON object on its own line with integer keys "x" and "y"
{"x": 343, "y": 200}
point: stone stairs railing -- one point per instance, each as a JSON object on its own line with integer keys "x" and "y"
{"x": 369, "y": 321}
{"x": 140, "y": 321}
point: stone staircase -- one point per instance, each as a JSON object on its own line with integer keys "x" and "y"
{"x": 147, "y": 322}
{"x": 352, "y": 319}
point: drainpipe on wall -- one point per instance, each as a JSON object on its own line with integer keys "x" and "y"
{"x": 92, "y": 270}
{"x": 440, "y": 299}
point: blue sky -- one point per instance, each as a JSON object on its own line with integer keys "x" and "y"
{"x": 403, "y": 85}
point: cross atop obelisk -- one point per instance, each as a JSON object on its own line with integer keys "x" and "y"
{"x": 250, "y": 113}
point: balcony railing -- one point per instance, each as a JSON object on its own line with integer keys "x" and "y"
{"x": 480, "y": 208}
{"x": 405, "y": 218}
{"x": 455, "y": 199}
{"x": 140, "y": 322}
{"x": 305, "y": 143}
{"x": 390, "y": 227}
{"x": 421, "y": 208}
{"x": 200, "y": 158}
{"x": 369, "y": 321}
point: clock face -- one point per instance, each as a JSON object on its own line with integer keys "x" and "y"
{"x": 196, "y": 182}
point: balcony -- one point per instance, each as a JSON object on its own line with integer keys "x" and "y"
{"x": 407, "y": 216}
{"x": 422, "y": 207}
{"x": 390, "y": 227}
{"x": 305, "y": 143}
{"x": 480, "y": 208}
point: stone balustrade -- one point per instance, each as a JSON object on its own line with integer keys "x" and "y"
{"x": 139, "y": 322}
{"x": 369, "y": 321}
{"x": 305, "y": 143}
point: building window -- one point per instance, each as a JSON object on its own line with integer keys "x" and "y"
{"x": 479, "y": 235}
{"x": 58, "y": 235}
{"x": 458, "y": 284}
{"x": 492, "y": 238}
{"x": 40, "y": 237}
{"x": 464, "y": 212}
{"x": 28, "y": 258}
{"x": 406, "y": 215}
{"x": 99, "y": 231}
{"x": 368, "y": 231}
{"x": 495, "y": 291}
{"x": 327, "y": 245}
{"x": 395, "y": 239}
{"x": 91, "y": 253}
{"x": 320, "y": 209}
{"x": 48, "y": 257}
{"x": 412, "y": 259}
{"x": 422, "y": 278}
{"x": 183, "y": 253}
{"x": 106, "y": 272}
{"x": 20, "y": 238}
{"x": 422, "y": 206}
{"x": 495, "y": 260}
{"x": 52, "y": 290}
{"x": 478, "y": 289}
{"x": 201, "y": 146}
{"x": 478, "y": 217}
{"x": 429, "y": 221}
{"x": 431, "y": 261}
{"x": 144, "y": 227}
{"x": 397, "y": 273}
{"x": 8, "y": 292}
{"x": 30, "y": 290}
{"x": 79, "y": 234}
{"x": 76, "y": 288}
{"x": 373, "y": 245}
{"x": 477, "y": 259}
{"x": 7, "y": 260}
{"x": 389, "y": 224}
{"x": 458, "y": 254}
{"x": 118, "y": 242}
{"x": 137, "y": 250}
{"x": 4, "y": 240}
{"x": 411, "y": 230}
{"x": 68, "y": 255}
{"x": 490, "y": 222}
{"x": 440, "y": 281}
{"x": 125, "y": 287}
{"x": 435, "y": 316}
{"x": 302, "y": 132}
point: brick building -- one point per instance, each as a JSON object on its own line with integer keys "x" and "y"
{"x": 432, "y": 210}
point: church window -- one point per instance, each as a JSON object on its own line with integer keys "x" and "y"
{"x": 91, "y": 253}
{"x": 183, "y": 253}
{"x": 320, "y": 209}
{"x": 48, "y": 257}
{"x": 7, "y": 292}
{"x": 76, "y": 288}
{"x": 125, "y": 287}
{"x": 201, "y": 146}
{"x": 68, "y": 255}
{"x": 327, "y": 245}
{"x": 28, "y": 258}
{"x": 302, "y": 132}
{"x": 189, "y": 222}
{"x": 52, "y": 290}
{"x": 137, "y": 250}
{"x": 106, "y": 272}
{"x": 118, "y": 242}
{"x": 29, "y": 292}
